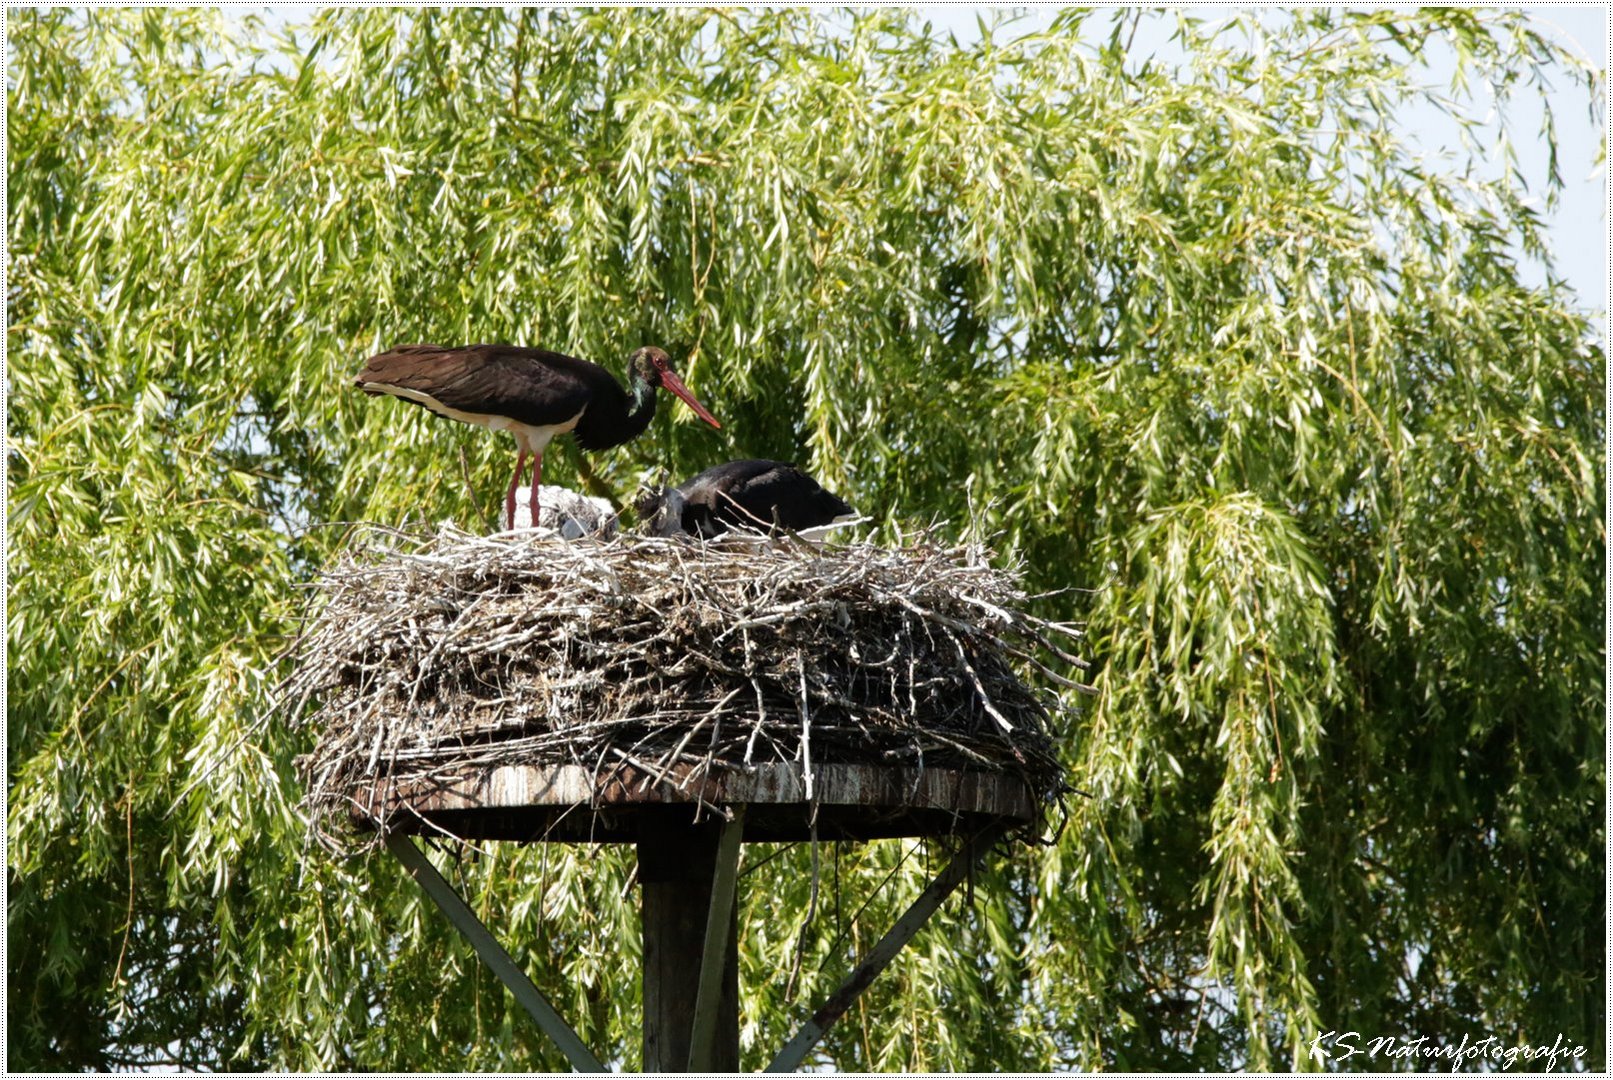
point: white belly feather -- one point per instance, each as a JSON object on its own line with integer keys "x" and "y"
{"x": 535, "y": 437}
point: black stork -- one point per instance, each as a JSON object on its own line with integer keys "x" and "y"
{"x": 533, "y": 394}
{"x": 749, "y": 493}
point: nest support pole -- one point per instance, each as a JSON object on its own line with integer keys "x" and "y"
{"x": 687, "y": 878}
{"x": 879, "y": 957}
{"x": 720, "y": 945}
{"x": 493, "y": 954}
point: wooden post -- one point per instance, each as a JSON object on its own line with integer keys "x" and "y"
{"x": 719, "y": 942}
{"x": 884, "y": 951}
{"x": 492, "y": 953}
{"x": 676, "y": 865}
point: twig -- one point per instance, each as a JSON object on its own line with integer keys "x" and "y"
{"x": 425, "y": 658}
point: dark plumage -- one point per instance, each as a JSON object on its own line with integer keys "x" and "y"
{"x": 532, "y": 393}
{"x": 750, "y": 493}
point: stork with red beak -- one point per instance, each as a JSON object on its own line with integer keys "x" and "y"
{"x": 531, "y": 393}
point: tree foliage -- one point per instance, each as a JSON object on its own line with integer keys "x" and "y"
{"x": 1209, "y": 346}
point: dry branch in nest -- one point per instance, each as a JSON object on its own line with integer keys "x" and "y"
{"x": 431, "y": 657}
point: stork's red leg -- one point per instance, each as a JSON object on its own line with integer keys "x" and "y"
{"x": 509, "y": 496}
{"x": 537, "y": 478}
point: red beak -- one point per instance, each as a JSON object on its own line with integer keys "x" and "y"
{"x": 675, "y": 384}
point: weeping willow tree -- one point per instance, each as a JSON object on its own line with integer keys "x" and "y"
{"x": 1249, "y": 386}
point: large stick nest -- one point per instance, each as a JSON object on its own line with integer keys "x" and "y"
{"x": 430, "y": 657}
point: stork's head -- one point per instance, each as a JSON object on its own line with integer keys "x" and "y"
{"x": 653, "y": 367}
{"x": 660, "y": 511}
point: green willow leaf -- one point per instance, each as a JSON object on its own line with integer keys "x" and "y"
{"x": 1250, "y": 386}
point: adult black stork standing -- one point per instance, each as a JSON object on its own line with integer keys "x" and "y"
{"x": 749, "y": 493}
{"x": 533, "y": 394}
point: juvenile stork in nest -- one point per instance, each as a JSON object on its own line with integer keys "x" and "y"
{"x": 749, "y": 494}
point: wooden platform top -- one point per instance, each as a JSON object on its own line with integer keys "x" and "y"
{"x": 575, "y": 804}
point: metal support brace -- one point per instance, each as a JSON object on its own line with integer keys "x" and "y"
{"x": 719, "y": 919}
{"x": 879, "y": 957}
{"x": 492, "y": 953}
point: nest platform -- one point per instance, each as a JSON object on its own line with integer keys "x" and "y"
{"x": 526, "y": 687}
{"x": 573, "y": 804}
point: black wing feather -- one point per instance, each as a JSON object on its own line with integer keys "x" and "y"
{"x": 755, "y": 493}
{"x": 531, "y": 386}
